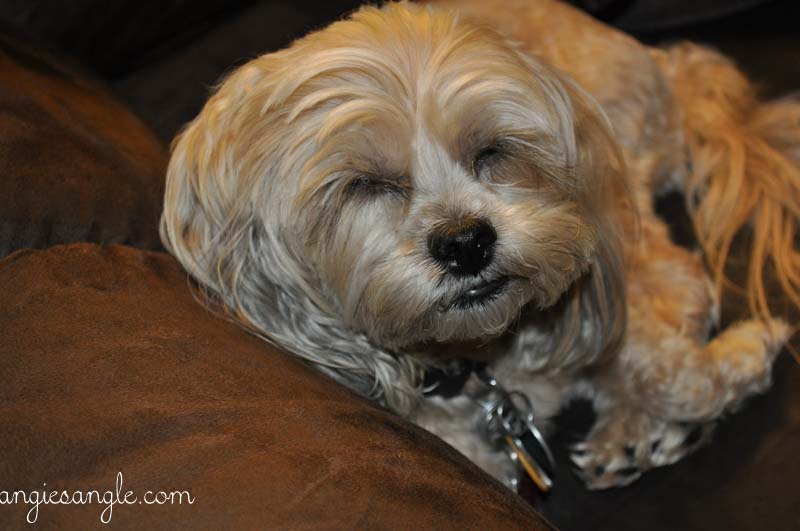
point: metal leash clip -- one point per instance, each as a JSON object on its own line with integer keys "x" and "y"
{"x": 508, "y": 424}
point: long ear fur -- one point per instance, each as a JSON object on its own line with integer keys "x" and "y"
{"x": 745, "y": 168}
{"x": 227, "y": 220}
{"x": 594, "y": 321}
{"x": 588, "y": 325}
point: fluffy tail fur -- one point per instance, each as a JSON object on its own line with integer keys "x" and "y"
{"x": 745, "y": 169}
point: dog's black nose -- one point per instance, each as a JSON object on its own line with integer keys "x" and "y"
{"x": 466, "y": 251}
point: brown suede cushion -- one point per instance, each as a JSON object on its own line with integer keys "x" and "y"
{"x": 108, "y": 364}
{"x": 75, "y": 165}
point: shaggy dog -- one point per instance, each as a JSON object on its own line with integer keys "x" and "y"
{"x": 409, "y": 186}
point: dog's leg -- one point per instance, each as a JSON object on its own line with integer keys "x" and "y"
{"x": 658, "y": 403}
{"x": 668, "y": 384}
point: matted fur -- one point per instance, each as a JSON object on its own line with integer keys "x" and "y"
{"x": 304, "y": 194}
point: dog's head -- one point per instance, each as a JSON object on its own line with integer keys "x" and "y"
{"x": 398, "y": 178}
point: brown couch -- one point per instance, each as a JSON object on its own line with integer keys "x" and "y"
{"x": 110, "y": 365}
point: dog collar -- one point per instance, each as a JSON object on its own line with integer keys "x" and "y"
{"x": 506, "y": 421}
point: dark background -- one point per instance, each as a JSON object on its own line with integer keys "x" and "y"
{"x": 163, "y": 57}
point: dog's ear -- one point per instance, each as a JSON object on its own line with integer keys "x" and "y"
{"x": 206, "y": 203}
{"x": 602, "y": 305}
{"x": 187, "y": 227}
{"x": 594, "y": 317}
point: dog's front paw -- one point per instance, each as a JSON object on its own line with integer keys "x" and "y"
{"x": 602, "y": 467}
{"x": 620, "y": 448}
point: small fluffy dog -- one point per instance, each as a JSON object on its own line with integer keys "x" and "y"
{"x": 410, "y": 186}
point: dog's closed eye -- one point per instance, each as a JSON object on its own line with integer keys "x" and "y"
{"x": 485, "y": 159}
{"x": 370, "y": 185}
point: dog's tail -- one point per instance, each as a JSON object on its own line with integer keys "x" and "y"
{"x": 745, "y": 169}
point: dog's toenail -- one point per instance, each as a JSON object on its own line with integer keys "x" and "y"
{"x": 694, "y": 436}
{"x": 628, "y": 471}
{"x": 629, "y": 450}
{"x": 655, "y": 446}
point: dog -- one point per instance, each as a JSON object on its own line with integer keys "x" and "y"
{"x": 474, "y": 180}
